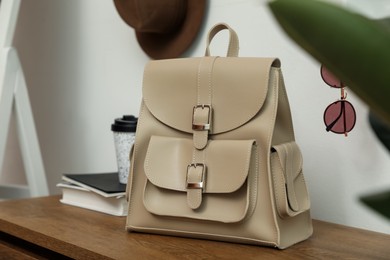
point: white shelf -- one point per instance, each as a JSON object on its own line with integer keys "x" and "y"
{"x": 14, "y": 94}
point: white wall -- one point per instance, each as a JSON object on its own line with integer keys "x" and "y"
{"x": 84, "y": 67}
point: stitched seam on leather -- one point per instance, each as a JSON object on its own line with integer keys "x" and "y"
{"x": 285, "y": 98}
{"x": 269, "y": 138}
{"x": 305, "y": 202}
{"x": 289, "y": 152}
{"x": 274, "y": 101}
{"x": 149, "y": 177}
{"x": 131, "y": 197}
{"x": 300, "y": 168}
{"x": 147, "y": 166}
{"x": 243, "y": 238}
{"x": 198, "y": 83}
{"x": 273, "y": 171}
{"x": 209, "y": 75}
{"x": 211, "y": 81}
{"x": 146, "y": 72}
{"x": 279, "y": 199}
{"x": 256, "y": 190}
{"x": 194, "y": 203}
{"x": 243, "y": 172}
{"x": 247, "y": 163}
{"x": 307, "y": 192}
{"x": 193, "y": 155}
{"x": 254, "y": 175}
{"x": 233, "y": 43}
{"x": 292, "y": 168}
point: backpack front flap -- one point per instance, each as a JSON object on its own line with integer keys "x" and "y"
{"x": 236, "y": 89}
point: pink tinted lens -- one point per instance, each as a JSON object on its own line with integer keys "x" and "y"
{"x": 329, "y": 78}
{"x": 340, "y": 117}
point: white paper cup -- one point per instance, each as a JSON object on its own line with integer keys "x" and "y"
{"x": 124, "y": 137}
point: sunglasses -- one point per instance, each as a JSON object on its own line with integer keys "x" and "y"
{"x": 340, "y": 116}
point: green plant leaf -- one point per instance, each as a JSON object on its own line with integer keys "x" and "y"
{"x": 352, "y": 46}
{"x": 381, "y": 129}
{"x": 379, "y": 202}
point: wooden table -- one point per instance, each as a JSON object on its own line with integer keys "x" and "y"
{"x": 43, "y": 228}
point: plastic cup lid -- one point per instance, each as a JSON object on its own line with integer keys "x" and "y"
{"x": 128, "y": 123}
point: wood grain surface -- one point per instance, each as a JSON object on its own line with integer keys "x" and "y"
{"x": 44, "y": 228}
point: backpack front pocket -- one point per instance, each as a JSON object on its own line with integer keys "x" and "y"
{"x": 221, "y": 187}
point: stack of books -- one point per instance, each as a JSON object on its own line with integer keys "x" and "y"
{"x": 95, "y": 191}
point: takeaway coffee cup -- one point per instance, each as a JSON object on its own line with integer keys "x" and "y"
{"x": 124, "y": 137}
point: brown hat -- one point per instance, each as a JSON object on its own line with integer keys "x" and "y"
{"x": 164, "y": 28}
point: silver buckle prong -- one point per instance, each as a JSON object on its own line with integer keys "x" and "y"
{"x": 197, "y": 185}
{"x": 203, "y": 126}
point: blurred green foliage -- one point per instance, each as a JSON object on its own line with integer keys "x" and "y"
{"x": 354, "y": 48}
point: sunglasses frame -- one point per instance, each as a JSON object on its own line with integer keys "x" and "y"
{"x": 329, "y": 126}
{"x": 342, "y": 113}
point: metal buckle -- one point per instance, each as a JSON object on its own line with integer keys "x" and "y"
{"x": 196, "y": 185}
{"x": 205, "y": 126}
